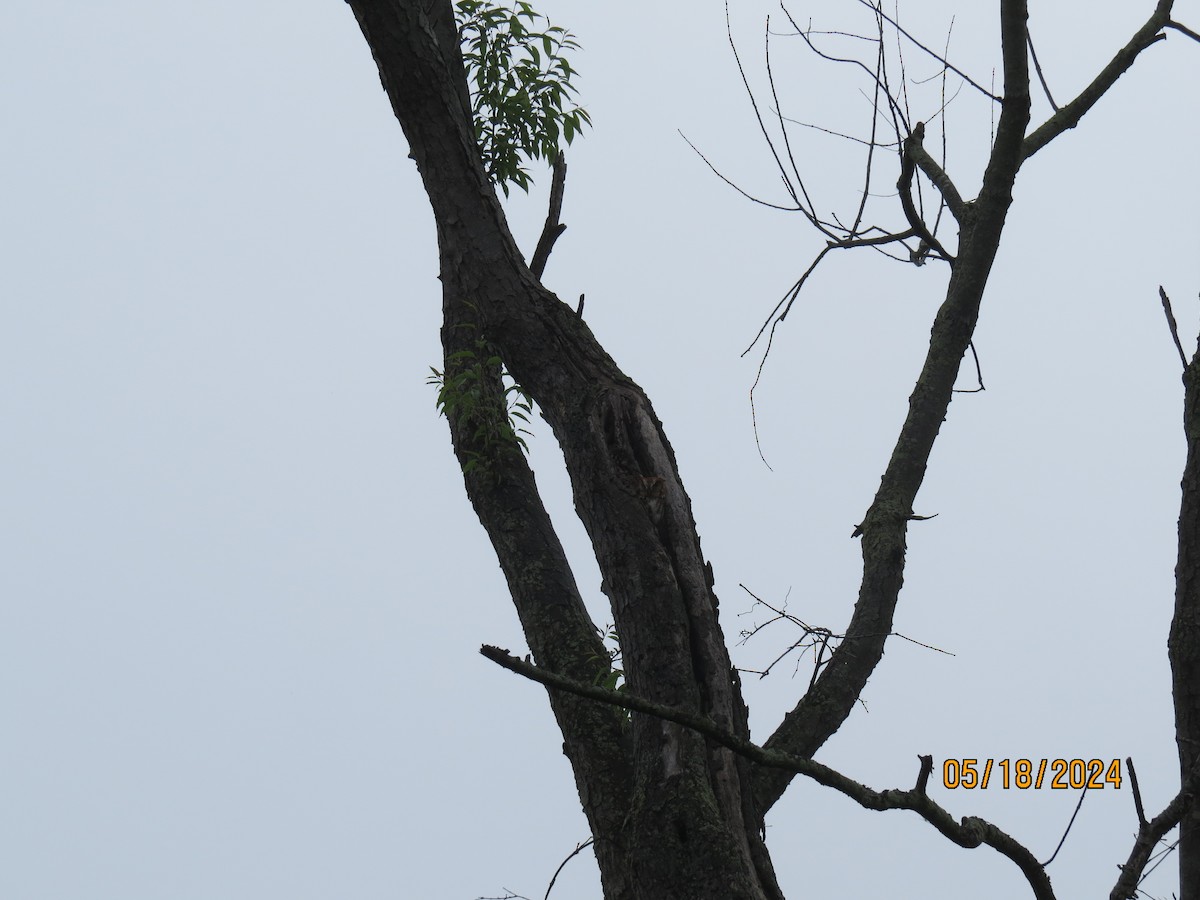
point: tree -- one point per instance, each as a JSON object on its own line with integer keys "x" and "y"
{"x": 675, "y": 794}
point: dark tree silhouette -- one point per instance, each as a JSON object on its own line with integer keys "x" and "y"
{"x": 675, "y": 793}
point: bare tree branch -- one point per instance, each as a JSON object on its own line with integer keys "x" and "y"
{"x": 744, "y": 193}
{"x": 552, "y": 229}
{"x": 936, "y": 174}
{"x": 869, "y": 168}
{"x": 1183, "y": 29}
{"x": 970, "y": 832}
{"x": 916, "y": 154}
{"x": 957, "y": 71}
{"x": 1069, "y": 115}
{"x": 1166, "y": 304}
{"x": 789, "y": 297}
{"x": 1038, "y": 67}
{"x": 1148, "y": 836}
{"x": 821, "y": 711}
{"x": 809, "y": 211}
{"x": 806, "y": 35}
{"x": 1138, "y": 807}
{"x": 579, "y": 848}
{"x": 1062, "y": 840}
{"x": 978, "y": 373}
{"x": 787, "y": 143}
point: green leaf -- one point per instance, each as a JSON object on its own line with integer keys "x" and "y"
{"x": 517, "y": 90}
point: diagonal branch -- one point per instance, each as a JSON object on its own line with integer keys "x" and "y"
{"x": 970, "y": 832}
{"x": 1183, "y": 29}
{"x": 1171, "y": 324}
{"x": 1069, "y": 115}
{"x": 823, "y": 709}
{"x": 1038, "y": 68}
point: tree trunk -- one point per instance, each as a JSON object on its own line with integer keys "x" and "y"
{"x": 675, "y": 814}
{"x": 671, "y": 813}
{"x": 1184, "y": 643}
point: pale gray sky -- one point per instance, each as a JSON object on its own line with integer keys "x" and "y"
{"x": 243, "y": 589}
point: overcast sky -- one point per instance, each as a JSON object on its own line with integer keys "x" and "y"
{"x": 243, "y": 590}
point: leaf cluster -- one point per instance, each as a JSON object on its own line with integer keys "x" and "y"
{"x": 614, "y": 679}
{"x": 521, "y": 90}
{"x": 463, "y": 393}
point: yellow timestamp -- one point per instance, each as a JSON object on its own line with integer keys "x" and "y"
{"x": 1023, "y": 774}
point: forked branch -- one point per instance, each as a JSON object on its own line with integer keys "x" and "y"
{"x": 904, "y": 186}
{"x": 936, "y": 174}
{"x": 1149, "y": 833}
{"x": 1069, "y": 116}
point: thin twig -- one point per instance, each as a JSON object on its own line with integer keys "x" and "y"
{"x": 941, "y": 114}
{"x": 570, "y": 856}
{"x": 900, "y": 59}
{"x": 1038, "y": 68}
{"x": 787, "y": 144}
{"x": 757, "y": 378}
{"x": 832, "y": 133}
{"x": 905, "y": 637}
{"x": 809, "y": 212}
{"x": 733, "y": 185}
{"x": 1063, "y": 839}
{"x": 854, "y": 62}
{"x": 870, "y": 166}
{"x": 978, "y": 374}
{"x": 1158, "y": 859}
{"x": 957, "y": 71}
{"x": 788, "y": 298}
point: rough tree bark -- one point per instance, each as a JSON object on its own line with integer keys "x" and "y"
{"x": 1184, "y": 642}
{"x": 675, "y": 811}
{"x": 671, "y": 814}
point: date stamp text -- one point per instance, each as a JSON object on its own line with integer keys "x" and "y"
{"x": 1024, "y": 774}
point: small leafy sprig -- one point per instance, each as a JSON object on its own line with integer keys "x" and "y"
{"x": 615, "y": 679}
{"x": 521, "y": 87}
{"x": 463, "y": 393}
